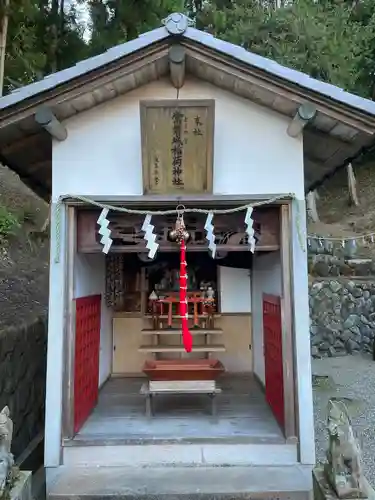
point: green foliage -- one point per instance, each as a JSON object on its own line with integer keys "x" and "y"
{"x": 331, "y": 40}
{"x": 320, "y": 38}
{"x": 9, "y": 224}
{"x": 114, "y": 22}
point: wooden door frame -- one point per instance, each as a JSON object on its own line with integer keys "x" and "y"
{"x": 287, "y": 322}
{"x": 154, "y": 200}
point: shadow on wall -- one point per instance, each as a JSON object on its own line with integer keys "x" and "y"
{"x": 23, "y": 351}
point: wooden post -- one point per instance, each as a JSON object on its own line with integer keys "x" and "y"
{"x": 3, "y": 43}
{"x": 287, "y": 326}
{"x": 69, "y": 344}
{"x": 311, "y": 206}
{"x": 352, "y": 184}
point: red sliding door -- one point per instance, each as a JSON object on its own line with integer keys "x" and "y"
{"x": 273, "y": 355}
{"x": 86, "y": 358}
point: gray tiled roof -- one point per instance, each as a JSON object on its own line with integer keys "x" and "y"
{"x": 276, "y": 69}
{"x": 159, "y": 34}
{"x": 83, "y": 67}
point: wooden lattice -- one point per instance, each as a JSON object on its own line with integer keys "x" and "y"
{"x": 87, "y": 345}
{"x": 273, "y": 356}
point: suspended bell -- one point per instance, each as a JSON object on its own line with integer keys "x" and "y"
{"x": 179, "y": 232}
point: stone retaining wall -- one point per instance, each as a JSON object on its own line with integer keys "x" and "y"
{"x": 23, "y": 379}
{"x": 342, "y": 316}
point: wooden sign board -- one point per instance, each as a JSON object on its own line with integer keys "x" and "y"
{"x": 177, "y": 146}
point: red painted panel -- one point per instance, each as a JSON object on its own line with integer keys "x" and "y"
{"x": 86, "y": 363}
{"x": 273, "y": 355}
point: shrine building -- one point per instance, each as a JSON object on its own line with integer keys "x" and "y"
{"x": 176, "y": 166}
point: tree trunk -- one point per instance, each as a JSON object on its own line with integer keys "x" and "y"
{"x": 3, "y": 43}
{"x": 54, "y": 19}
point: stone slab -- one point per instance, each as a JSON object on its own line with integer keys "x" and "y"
{"x": 322, "y": 491}
{"x": 22, "y": 488}
{"x": 193, "y": 483}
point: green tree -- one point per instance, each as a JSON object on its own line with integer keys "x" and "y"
{"x": 320, "y": 38}
{"x": 43, "y": 37}
{"x": 117, "y": 21}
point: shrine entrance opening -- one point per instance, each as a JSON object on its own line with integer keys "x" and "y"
{"x": 148, "y": 386}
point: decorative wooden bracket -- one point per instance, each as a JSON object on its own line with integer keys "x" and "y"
{"x": 177, "y": 65}
{"x": 45, "y": 118}
{"x": 305, "y": 114}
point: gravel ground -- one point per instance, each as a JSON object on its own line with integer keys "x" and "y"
{"x": 351, "y": 377}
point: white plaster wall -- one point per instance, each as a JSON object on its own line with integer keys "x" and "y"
{"x": 266, "y": 278}
{"x": 89, "y": 279}
{"x": 235, "y": 290}
{"x": 252, "y": 152}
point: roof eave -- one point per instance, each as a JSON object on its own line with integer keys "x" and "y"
{"x": 322, "y": 94}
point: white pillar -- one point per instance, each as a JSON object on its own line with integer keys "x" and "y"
{"x": 301, "y": 317}
{"x": 55, "y": 351}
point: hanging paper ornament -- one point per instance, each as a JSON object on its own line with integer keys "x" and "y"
{"x": 104, "y": 231}
{"x": 210, "y": 236}
{"x": 150, "y": 236}
{"x": 249, "y": 228}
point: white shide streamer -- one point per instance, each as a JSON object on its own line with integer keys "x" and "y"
{"x": 210, "y": 236}
{"x": 150, "y": 236}
{"x": 249, "y": 228}
{"x": 104, "y": 231}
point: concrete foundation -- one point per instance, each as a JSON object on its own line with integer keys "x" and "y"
{"x": 176, "y": 483}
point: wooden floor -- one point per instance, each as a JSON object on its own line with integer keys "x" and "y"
{"x": 242, "y": 413}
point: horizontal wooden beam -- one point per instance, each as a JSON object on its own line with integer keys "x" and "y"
{"x": 18, "y": 144}
{"x": 34, "y": 167}
{"x": 175, "y": 248}
{"x": 186, "y": 200}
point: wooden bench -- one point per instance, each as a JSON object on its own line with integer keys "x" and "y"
{"x": 152, "y": 388}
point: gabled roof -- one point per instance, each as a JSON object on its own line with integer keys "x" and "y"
{"x": 343, "y": 126}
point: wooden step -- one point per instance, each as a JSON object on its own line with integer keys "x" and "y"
{"x": 180, "y": 348}
{"x": 178, "y": 331}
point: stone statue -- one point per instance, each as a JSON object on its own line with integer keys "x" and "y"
{"x": 6, "y": 457}
{"x": 6, "y": 430}
{"x": 343, "y": 469}
{"x": 6, "y": 464}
